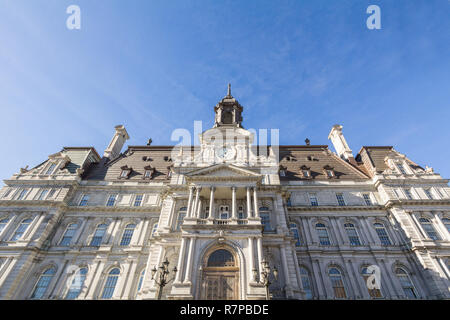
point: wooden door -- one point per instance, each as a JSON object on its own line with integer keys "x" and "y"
{"x": 220, "y": 286}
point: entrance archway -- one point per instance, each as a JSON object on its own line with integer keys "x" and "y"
{"x": 220, "y": 275}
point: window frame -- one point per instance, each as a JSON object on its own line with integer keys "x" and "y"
{"x": 406, "y": 275}
{"x": 114, "y": 202}
{"x": 126, "y": 238}
{"x": 341, "y": 280}
{"x": 111, "y": 277}
{"x": 47, "y": 284}
{"x": 64, "y": 236}
{"x": 320, "y": 226}
{"x": 428, "y": 227}
{"x": 340, "y": 199}
{"x": 383, "y": 227}
{"x": 348, "y": 226}
{"x": 84, "y": 200}
{"x": 138, "y": 202}
{"x": 13, "y": 236}
{"x": 97, "y": 242}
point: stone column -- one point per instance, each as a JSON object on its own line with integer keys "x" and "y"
{"x": 211, "y": 204}
{"x": 199, "y": 208}
{"x": 260, "y": 254}
{"x": 287, "y": 277}
{"x": 255, "y": 202}
{"x": 251, "y": 258}
{"x": 197, "y": 196}
{"x": 316, "y": 273}
{"x": 233, "y": 203}
{"x": 249, "y": 204}
{"x": 180, "y": 261}
{"x": 187, "y": 278}
{"x": 189, "y": 207}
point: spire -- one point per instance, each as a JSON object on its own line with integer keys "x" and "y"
{"x": 229, "y": 90}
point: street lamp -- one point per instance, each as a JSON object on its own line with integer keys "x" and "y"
{"x": 265, "y": 276}
{"x": 163, "y": 275}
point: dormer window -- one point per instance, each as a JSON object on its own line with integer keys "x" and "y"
{"x": 125, "y": 173}
{"x": 148, "y": 173}
{"x": 305, "y": 172}
{"x": 282, "y": 171}
{"x": 329, "y": 172}
{"x": 51, "y": 168}
{"x": 401, "y": 168}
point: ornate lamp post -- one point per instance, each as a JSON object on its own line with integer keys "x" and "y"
{"x": 163, "y": 276}
{"x": 265, "y": 276}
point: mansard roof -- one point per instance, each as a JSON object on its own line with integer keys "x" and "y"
{"x": 372, "y": 158}
{"x": 137, "y": 158}
{"x": 316, "y": 158}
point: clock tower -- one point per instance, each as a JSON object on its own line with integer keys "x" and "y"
{"x": 228, "y": 112}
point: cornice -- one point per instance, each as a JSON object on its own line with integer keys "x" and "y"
{"x": 335, "y": 208}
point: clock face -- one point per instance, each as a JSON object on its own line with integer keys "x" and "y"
{"x": 225, "y": 152}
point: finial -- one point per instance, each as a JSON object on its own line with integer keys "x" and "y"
{"x": 149, "y": 141}
{"x": 308, "y": 142}
{"x": 229, "y": 90}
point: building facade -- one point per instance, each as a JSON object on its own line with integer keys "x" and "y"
{"x": 334, "y": 225}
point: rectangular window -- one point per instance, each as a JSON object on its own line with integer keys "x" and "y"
{"x": 111, "y": 200}
{"x": 50, "y": 169}
{"x": 330, "y": 173}
{"x": 84, "y": 200}
{"x": 401, "y": 168}
{"x": 428, "y": 193}
{"x": 408, "y": 194}
{"x": 22, "y": 194}
{"x": 124, "y": 174}
{"x": 138, "y": 200}
{"x": 313, "y": 199}
{"x": 43, "y": 194}
{"x": 367, "y": 199}
{"x": 282, "y": 173}
{"x": 340, "y": 199}
{"x": 306, "y": 173}
{"x": 323, "y": 237}
{"x": 147, "y": 174}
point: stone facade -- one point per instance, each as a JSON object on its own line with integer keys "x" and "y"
{"x": 82, "y": 226}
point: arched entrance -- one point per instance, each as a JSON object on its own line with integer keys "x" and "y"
{"x": 220, "y": 275}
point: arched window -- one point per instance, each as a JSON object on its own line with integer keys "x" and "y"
{"x": 155, "y": 227}
{"x": 110, "y": 283}
{"x": 21, "y": 229}
{"x": 264, "y": 214}
{"x": 375, "y": 292}
{"x": 98, "y": 235}
{"x": 352, "y": 234}
{"x": 141, "y": 279}
{"x": 3, "y": 223}
{"x": 77, "y": 284}
{"x": 306, "y": 282}
{"x": 406, "y": 283}
{"x": 127, "y": 234}
{"x": 445, "y": 221}
{"x": 221, "y": 258}
{"x": 429, "y": 229}
{"x": 322, "y": 233}
{"x": 181, "y": 215}
{"x": 382, "y": 234}
{"x": 337, "y": 283}
{"x": 68, "y": 235}
{"x": 296, "y": 234}
{"x": 43, "y": 283}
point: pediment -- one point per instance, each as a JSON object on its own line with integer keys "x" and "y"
{"x": 225, "y": 171}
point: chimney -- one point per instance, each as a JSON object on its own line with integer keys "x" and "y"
{"x": 117, "y": 142}
{"x": 340, "y": 144}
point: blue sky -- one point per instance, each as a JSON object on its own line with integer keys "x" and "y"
{"x": 154, "y": 66}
